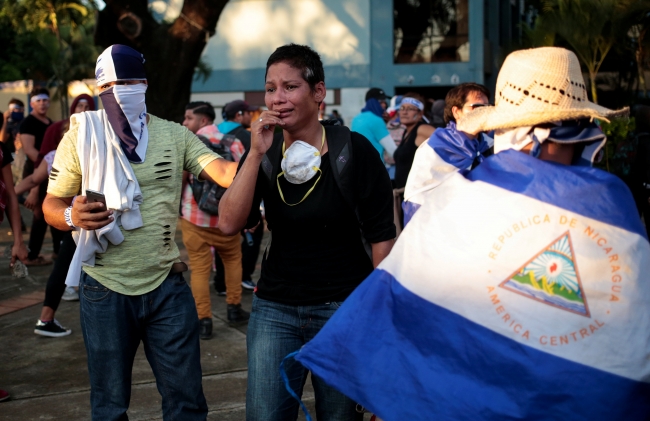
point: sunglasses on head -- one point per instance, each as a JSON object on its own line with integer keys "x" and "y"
{"x": 474, "y": 106}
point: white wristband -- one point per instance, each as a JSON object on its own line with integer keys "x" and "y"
{"x": 67, "y": 214}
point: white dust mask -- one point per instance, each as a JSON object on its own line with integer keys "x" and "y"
{"x": 300, "y": 163}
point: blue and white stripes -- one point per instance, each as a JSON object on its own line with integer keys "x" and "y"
{"x": 438, "y": 331}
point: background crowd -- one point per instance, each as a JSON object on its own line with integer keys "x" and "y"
{"x": 395, "y": 126}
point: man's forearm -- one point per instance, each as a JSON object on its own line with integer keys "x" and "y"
{"x": 28, "y": 142}
{"x": 220, "y": 171}
{"x": 380, "y": 251}
{"x": 13, "y": 211}
{"x": 389, "y": 145}
{"x": 54, "y": 208}
{"x": 4, "y": 134}
{"x": 31, "y": 152}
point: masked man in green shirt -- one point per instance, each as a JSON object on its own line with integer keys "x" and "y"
{"x": 127, "y": 264}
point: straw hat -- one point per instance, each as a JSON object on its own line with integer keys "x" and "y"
{"x": 537, "y": 86}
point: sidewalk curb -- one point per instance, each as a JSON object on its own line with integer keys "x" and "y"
{"x": 22, "y": 301}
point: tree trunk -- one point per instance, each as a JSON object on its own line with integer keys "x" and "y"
{"x": 171, "y": 51}
{"x": 63, "y": 99}
{"x": 638, "y": 55}
{"x": 592, "y": 82}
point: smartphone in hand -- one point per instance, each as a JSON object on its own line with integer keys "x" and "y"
{"x": 94, "y": 196}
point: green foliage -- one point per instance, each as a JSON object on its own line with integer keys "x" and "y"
{"x": 59, "y": 34}
{"x": 32, "y": 15}
{"x": 620, "y": 147}
{"x": 590, "y": 27}
{"x": 202, "y": 71}
{"x": 21, "y": 55}
{"x": 539, "y": 35}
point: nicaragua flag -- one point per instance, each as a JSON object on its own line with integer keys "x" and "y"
{"x": 446, "y": 152}
{"x": 517, "y": 292}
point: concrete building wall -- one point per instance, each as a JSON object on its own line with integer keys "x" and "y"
{"x": 354, "y": 37}
{"x": 248, "y": 31}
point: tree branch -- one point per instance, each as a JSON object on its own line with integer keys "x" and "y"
{"x": 198, "y": 18}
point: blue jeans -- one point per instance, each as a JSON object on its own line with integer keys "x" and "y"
{"x": 166, "y": 322}
{"x": 274, "y": 331}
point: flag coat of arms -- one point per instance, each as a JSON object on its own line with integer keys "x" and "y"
{"x": 518, "y": 291}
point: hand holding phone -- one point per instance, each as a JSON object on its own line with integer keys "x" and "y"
{"x": 96, "y": 197}
{"x": 87, "y": 214}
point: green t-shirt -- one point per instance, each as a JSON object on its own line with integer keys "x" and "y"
{"x": 143, "y": 260}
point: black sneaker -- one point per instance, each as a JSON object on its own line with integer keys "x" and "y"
{"x": 237, "y": 315}
{"x": 206, "y": 328}
{"x": 53, "y": 329}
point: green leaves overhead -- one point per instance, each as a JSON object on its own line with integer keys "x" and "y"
{"x": 590, "y": 27}
{"x": 63, "y": 31}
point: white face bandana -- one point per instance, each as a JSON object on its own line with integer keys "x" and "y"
{"x": 300, "y": 163}
{"x": 519, "y": 137}
{"x": 127, "y": 113}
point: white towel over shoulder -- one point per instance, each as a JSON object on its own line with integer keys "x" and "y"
{"x": 104, "y": 168}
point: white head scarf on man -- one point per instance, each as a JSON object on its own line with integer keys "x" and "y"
{"x": 125, "y": 104}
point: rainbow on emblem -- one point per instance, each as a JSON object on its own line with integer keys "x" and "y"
{"x": 551, "y": 277}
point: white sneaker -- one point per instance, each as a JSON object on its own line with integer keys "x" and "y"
{"x": 70, "y": 294}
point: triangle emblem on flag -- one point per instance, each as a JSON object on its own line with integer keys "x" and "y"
{"x": 551, "y": 277}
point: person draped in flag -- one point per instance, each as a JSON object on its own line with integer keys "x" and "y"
{"x": 448, "y": 149}
{"x": 127, "y": 265}
{"x": 518, "y": 290}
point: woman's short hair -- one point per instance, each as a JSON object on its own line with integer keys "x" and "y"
{"x": 302, "y": 58}
{"x": 457, "y": 97}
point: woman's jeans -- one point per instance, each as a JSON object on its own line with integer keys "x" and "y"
{"x": 274, "y": 331}
{"x": 166, "y": 322}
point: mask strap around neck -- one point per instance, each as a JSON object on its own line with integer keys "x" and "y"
{"x": 312, "y": 187}
{"x": 306, "y": 194}
{"x": 322, "y": 144}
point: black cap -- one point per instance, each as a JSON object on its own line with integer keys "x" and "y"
{"x": 232, "y": 108}
{"x": 376, "y": 93}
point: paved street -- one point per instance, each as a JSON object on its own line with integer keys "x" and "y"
{"x": 47, "y": 377}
